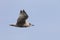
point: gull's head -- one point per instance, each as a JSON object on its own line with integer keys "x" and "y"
{"x": 27, "y": 24}
{"x": 31, "y": 24}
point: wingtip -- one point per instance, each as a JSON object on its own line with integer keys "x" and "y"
{"x": 21, "y": 11}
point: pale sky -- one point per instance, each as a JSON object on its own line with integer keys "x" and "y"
{"x": 44, "y": 14}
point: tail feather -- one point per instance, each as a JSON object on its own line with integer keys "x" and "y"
{"x": 12, "y": 25}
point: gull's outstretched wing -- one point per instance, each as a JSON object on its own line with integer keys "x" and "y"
{"x": 22, "y": 17}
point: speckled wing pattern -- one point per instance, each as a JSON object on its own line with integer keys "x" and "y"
{"x": 22, "y": 18}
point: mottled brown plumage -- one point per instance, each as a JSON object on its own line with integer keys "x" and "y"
{"x": 21, "y": 21}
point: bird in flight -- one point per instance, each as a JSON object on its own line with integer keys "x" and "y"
{"x": 21, "y": 21}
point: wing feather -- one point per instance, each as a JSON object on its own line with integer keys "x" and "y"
{"x": 22, "y": 17}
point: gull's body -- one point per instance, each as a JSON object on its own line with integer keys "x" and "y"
{"x": 21, "y": 21}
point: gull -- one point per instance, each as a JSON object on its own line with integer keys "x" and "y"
{"x": 22, "y": 20}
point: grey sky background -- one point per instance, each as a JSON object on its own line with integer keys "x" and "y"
{"x": 44, "y": 14}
